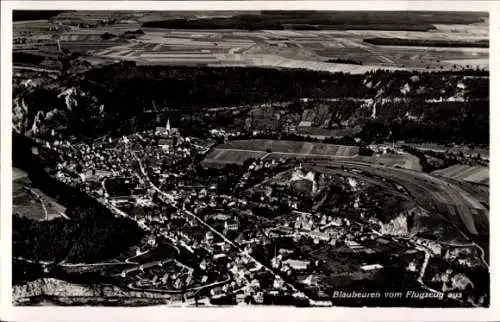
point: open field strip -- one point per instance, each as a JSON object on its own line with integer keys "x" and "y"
{"x": 223, "y": 156}
{"x": 482, "y": 62}
{"x": 478, "y": 174}
{"x": 430, "y": 49}
{"x": 292, "y": 147}
{"x": 431, "y": 35}
{"x": 302, "y": 49}
{"x": 473, "y": 30}
{"x": 276, "y": 61}
{"x": 18, "y": 174}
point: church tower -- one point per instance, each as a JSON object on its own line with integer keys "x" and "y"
{"x": 168, "y": 125}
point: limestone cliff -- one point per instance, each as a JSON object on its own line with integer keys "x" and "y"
{"x": 397, "y": 226}
{"x": 58, "y": 288}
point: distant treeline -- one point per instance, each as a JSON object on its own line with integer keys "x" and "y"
{"x": 484, "y": 43}
{"x": 228, "y": 23}
{"x": 323, "y": 20}
{"x": 344, "y": 61}
{"x": 27, "y": 58}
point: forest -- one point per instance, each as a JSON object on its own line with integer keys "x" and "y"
{"x": 92, "y": 235}
{"x": 427, "y": 42}
{"x": 25, "y": 15}
{"x": 185, "y": 93}
{"x": 322, "y": 20}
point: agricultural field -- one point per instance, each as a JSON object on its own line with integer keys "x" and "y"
{"x": 310, "y": 49}
{"x": 288, "y": 49}
{"x": 404, "y": 160}
{"x": 292, "y": 147}
{"x": 220, "y": 157}
{"x": 484, "y": 153}
{"x": 237, "y": 152}
{"x": 31, "y": 202}
{"x": 476, "y": 174}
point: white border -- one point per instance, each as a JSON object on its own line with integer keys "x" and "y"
{"x": 9, "y": 313}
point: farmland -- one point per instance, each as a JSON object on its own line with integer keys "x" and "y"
{"x": 465, "y": 150}
{"x": 313, "y": 50}
{"x": 221, "y": 157}
{"x": 30, "y": 202}
{"x": 237, "y": 152}
{"x": 179, "y": 172}
{"x": 323, "y": 48}
{"x": 477, "y": 174}
{"x": 404, "y": 160}
{"x": 425, "y": 42}
{"x": 293, "y": 147}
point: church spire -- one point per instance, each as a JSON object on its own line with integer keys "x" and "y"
{"x": 168, "y": 125}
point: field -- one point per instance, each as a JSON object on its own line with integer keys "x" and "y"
{"x": 31, "y": 202}
{"x": 236, "y": 152}
{"x": 293, "y": 147}
{"x": 221, "y": 157}
{"x": 467, "y": 151}
{"x": 475, "y": 174}
{"x": 426, "y": 42}
{"x": 289, "y": 49}
{"x": 309, "y": 49}
{"x": 405, "y": 160}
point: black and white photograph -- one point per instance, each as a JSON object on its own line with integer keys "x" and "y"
{"x": 253, "y": 158}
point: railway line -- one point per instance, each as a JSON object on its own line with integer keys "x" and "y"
{"x": 428, "y": 191}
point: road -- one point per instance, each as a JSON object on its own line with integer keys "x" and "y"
{"x": 197, "y": 288}
{"x": 121, "y": 213}
{"x": 428, "y": 191}
{"x": 485, "y": 263}
{"x": 423, "y": 187}
{"x": 36, "y": 69}
{"x": 215, "y": 231}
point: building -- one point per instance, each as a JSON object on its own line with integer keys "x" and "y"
{"x": 278, "y": 283}
{"x": 310, "y": 280}
{"x": 217, "y": 292}
{"x": 259, "y": 298}
{"x": 219, "y": 256}
{"x": 165, "y": 144}
{"x": 209, "y": 237}
{"x": 231, "y": 225}
{"x": 298, "y": 265}
{"x": 353, "y": 244}
{"x": 166, "y": 131}
{"x": 240, "y": 298}
{"x": 319, "y": 235}
{"x": 371, "y": 267}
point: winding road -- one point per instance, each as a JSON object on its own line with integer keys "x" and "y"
{"x": 428, "y": 191}
{"x": 215, "y": 231}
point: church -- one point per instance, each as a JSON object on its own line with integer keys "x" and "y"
{"x": 167, "y": 131}
{"x": 166, "y": 136}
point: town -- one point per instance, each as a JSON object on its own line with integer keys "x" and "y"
{"x": 276, "y": 235}
{"x": 302, "y": 158}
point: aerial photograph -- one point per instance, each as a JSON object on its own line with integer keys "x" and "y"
{"x": 250, "y": 158}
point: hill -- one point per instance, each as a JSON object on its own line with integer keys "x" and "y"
{"x": 445, "y": 106}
